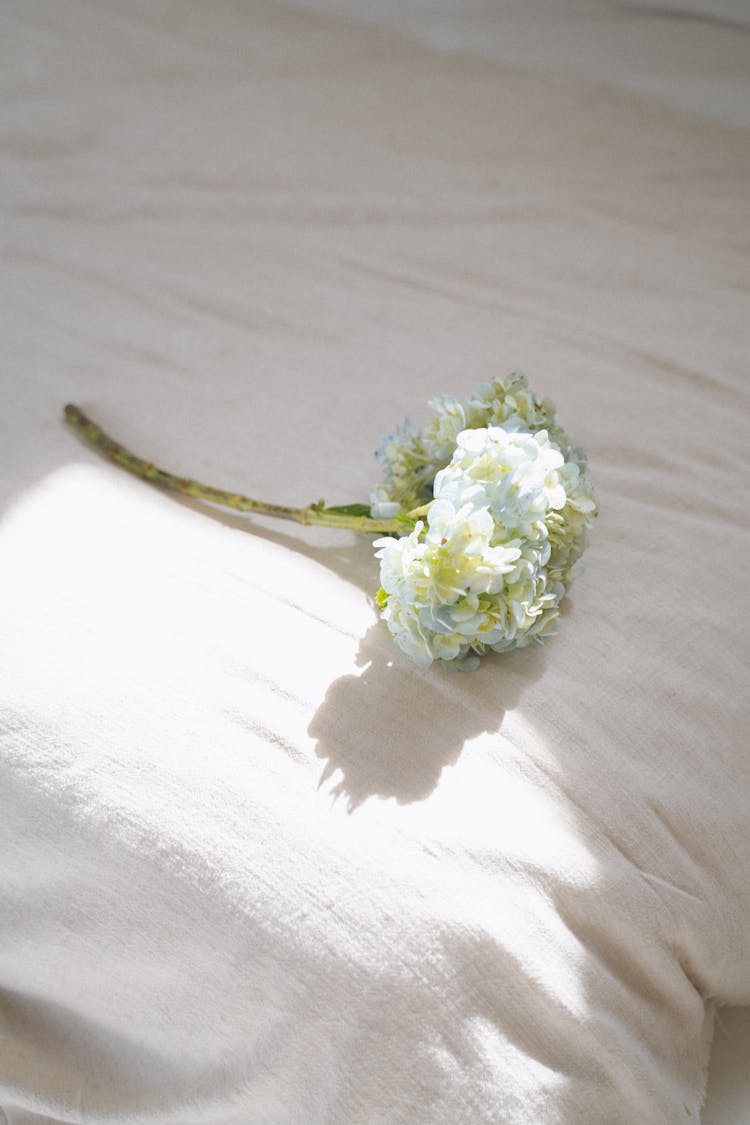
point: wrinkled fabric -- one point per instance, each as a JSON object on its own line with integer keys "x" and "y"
{"x": 256, "y": 866}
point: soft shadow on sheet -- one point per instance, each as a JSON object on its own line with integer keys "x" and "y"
{"x": 432, "y": 728}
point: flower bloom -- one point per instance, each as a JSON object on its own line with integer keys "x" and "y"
{"x": 488, "y": 568}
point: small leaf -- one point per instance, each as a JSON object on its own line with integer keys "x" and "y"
{"x": 381, "y": 597}
{"x": 348, "y": 510}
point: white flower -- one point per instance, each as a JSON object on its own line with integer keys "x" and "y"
{"x": 514, "y": 475}
{"x": 381, "y": 505}
{"x": 411, "y": 458}
{"x": 508, "y": 521}
{"x": 440, "y": 434}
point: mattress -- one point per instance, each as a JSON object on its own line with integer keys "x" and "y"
{"x": 257, "y": 865}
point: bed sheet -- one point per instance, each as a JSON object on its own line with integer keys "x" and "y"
{"x": 256, "y": 866}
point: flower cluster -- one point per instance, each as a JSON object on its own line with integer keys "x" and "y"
{"x": 507, "y": 511}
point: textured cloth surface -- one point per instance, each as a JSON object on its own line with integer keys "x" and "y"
{"x": 255, "y": 866}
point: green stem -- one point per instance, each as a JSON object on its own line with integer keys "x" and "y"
{"x": 313, "y": 514}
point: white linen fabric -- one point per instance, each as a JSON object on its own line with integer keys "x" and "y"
{"x": 255, "y": 866}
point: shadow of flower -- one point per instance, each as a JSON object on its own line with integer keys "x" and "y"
{"x": 396, "y": 704}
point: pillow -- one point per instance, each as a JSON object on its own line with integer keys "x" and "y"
{"x": 259, "y": 867}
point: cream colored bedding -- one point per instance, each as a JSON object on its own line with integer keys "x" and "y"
{"x": 255, "y": 866}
